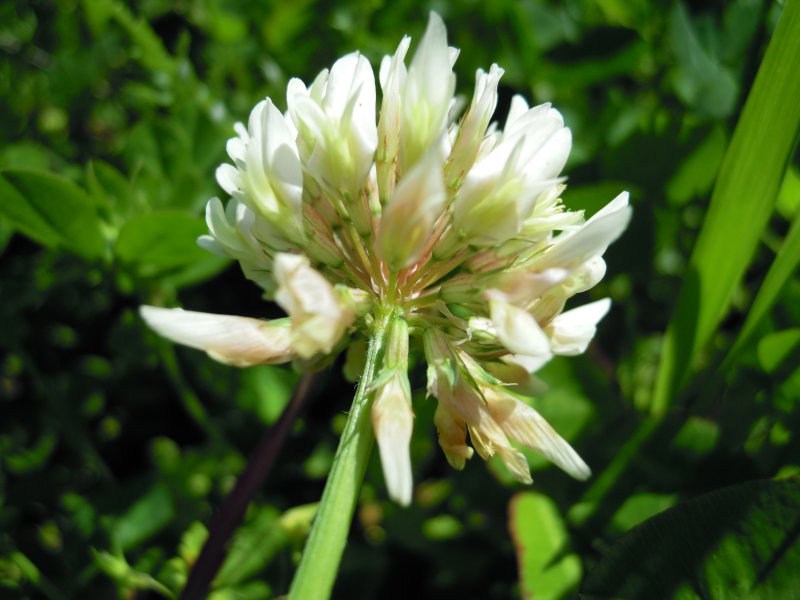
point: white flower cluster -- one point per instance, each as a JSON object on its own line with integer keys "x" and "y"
{"x": 442, "y": 227}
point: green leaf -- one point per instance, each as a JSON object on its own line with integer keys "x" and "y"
{"x": 699, "y": 79}
{"x": 51, "y": 210}
{"x": 253, "y": 546}
{"x": 783, "y": 268}
{"x": 640, "y": 507}
{"x": 148, "y": 515}
{"x": 741, "y": 204}
{"x": 776, "y": 347}
{"x": 546, "y": 567}
{"x": 160, "y": 241}
{"x": 696, "y": 174}
{"x": 126, "y": 577}
{"x": 739, "y": 542}
{"x": 788, "y": 203}
{"x": 266, "y": 390}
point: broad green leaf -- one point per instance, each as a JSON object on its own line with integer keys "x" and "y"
{"x": 266, "y": 390}
{"x": 254, "y": 545}
{"x": 146, "y": 517}
{"x": 109, "y": 187}
{"x": 699, "y": 79}
{"x": 783, "y": 268}
{"x": 776, "y": 347}
{"x": 639, "y": 508}
{"x": 739, "y": 542}
{"x": 151, "y": 52}
{"x": 546, "y": 567}
{"x": 51, "y": 210}
{"x": 742, "y": 201}
{"x": 160, "y": 241}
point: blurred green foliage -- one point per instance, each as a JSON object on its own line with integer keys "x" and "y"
{"x": 115, "y": 447}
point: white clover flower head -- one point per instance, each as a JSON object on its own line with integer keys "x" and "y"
{"x": 450, "y": 232}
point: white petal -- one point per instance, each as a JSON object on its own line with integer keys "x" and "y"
{"x": 393, "y": 421}
{"x": 409, "y": 216}
{"x": 239, "y": 341}
{"x": 522, "y": 287}
{"x": 229, "y": 178}
{"x": 571, "y": 331}
{"x": 517, "y": 329}
{"x": 282, "y": 160}
{"x": 592, "y": 239}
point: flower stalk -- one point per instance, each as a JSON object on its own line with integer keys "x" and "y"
{"x": 323, "y": 551}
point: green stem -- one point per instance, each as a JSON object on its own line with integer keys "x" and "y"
{"x": 323, "y": 552}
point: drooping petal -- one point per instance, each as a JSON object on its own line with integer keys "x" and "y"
{"x": 452, "y": 437}
{"x": 237, "y": 341}
{"x": 526, "y": 426}
{"x": 392, "y": 422}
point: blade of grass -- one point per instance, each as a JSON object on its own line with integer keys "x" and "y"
{"x": 782, "y": 269}
{"x": 741, "y": 203}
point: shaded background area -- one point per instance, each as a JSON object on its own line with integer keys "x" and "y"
{"x": 116, "y": 447}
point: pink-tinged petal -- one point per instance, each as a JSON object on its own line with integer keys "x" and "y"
{"x": 526, "y": 426}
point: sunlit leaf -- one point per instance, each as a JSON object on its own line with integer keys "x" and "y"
{"x": 547, "y": 568}
{"x": 160, "y": 241}
{"x": 742, "y": 201}
{"x": 51, "y": 210}
{"x": 783, "y": 268}
{"x": 776, "y": 347}
{"x": 699, "y": 79}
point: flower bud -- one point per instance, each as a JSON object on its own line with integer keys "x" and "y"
{"x": 427, "y": 94}
{"x": 268, "y": 176}
{"x": 500, "y": 191}
{"x": 393, "y": 75}
{"x": 335, "y": 120}
{"x": 392, "y": 415}
{"x": 472, "y": 129}
{"x": 409, "y": 216}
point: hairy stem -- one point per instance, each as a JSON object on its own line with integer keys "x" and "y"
{"x": 323, "y": 552}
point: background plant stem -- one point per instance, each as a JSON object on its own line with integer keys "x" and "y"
{"x": 323, "y": 552}
{"x": 248, "y": 483}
